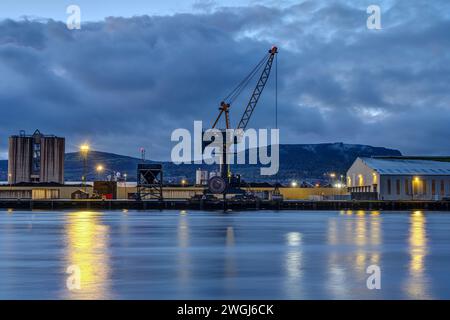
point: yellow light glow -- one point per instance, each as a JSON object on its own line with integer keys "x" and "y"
{"x": 294, "y": 184}
{"x": 183, "y": 181}
{"x": 418, "y": 251}
{"x": 333, "y": 175}
{"x": 87, "y": 248}
{"x": 361, "y": 179}
{"x": 99, "y": 168}
{"x": 84, "y": 148}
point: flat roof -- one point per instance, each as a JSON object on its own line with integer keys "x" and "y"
{"x": 407, "y": 166}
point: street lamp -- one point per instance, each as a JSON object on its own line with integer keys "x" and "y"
{"x": 183, "y": 182}
{"x": 125, "y": 177}
{"x": 294, "y": 184}
{"x": 99, "y": 170}
{"x": 84, "y": 149}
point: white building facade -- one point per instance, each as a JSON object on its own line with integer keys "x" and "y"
{"x": 399, "y": 178}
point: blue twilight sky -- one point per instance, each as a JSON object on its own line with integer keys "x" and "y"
{"x": 93, "y": 10}
{"x": 139, "y": 69}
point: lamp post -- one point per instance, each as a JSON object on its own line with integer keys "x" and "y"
{"x": 125, "y": 177}
{"x": 332, "y": 176}
{"x": 84, "y": 149}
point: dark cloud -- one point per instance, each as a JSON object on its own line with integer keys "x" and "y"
{"x": 123, "y": 83}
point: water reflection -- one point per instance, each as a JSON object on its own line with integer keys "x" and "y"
{"x": 360, "y": 229}
{"x": 293, "y": 265}
{"x": 417, "y": 287}
{"x": 87, "y": 249}
{"x": 184, "y": 259}
{"x": 230, "y": 237}
{"x": 230, "y": 257}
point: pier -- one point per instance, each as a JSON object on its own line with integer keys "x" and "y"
{"x": 182, "y": 204}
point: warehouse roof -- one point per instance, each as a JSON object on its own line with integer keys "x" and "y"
{"x": 407, "y": 166}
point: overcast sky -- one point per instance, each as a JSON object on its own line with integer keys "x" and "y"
{"x": 139, "y": 69}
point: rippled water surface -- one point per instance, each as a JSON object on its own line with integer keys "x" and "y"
{"x": 215, "y": 255}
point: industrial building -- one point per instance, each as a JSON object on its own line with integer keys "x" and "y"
{"x": 399, "y": 178}
{"x": 123, "y": 190}
{"x": 36, "y": 158}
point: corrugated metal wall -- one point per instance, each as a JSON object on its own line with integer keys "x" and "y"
{"x": 19, "y": 159}
{"x": 52, "y": 159}
{"x": 21, "y": 156}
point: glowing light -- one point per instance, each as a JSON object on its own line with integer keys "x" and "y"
{"x": 417, "y": 287}
{"x": 294, "y": 239}
{"x": 87, "y": 248}
{"x": 333, "y": 175}
{"x": 99, "y": 168}
{"x": 294, "y": 184}
{"x": 84, "y": 148}
{"x": 361, "y": 179}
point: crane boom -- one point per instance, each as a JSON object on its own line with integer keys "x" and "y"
{"x": 226, "y": 182}
{"x": 258, "y": 90}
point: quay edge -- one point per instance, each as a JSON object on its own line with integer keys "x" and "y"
{"x": 220, "y": 205}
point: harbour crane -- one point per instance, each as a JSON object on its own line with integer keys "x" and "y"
{"x": 226, "y": 182}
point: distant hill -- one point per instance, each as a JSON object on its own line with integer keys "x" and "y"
{"x": 297, "y": 161}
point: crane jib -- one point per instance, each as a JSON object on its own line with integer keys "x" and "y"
{"x": 257, "y": 92}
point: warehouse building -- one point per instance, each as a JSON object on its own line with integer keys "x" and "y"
{"x": 36, "y": 158}
{"x": 399, "y": 178}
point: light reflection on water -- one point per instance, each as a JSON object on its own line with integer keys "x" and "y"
{"x": 293, "y": 265}
{"x": 206, "y": 255}
{"x": 87, "y": 248}
{"x": 360, "y": 231}
{"x": 417, "y": 287}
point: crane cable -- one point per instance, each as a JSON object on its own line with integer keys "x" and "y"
{"x": 276, "y": 92}
{"x": 231, "y": 97}
{"x": 276, "y": 114}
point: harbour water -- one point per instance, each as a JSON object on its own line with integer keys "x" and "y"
{"x": 216, "y": 255}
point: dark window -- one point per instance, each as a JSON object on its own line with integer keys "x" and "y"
{"x": 36, "y": 162}
{"x": 433, "y": 187}
{"x": 407, "y": 186}
{"x": 388, "y": 186}
{"x": 398, "y": 186}
{"x": 442, "y": 188}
